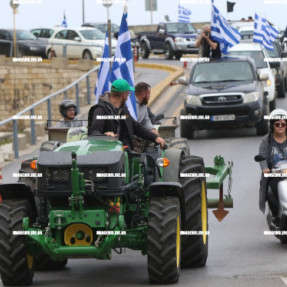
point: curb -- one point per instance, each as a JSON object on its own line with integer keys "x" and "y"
{"x": 175, "y": 72}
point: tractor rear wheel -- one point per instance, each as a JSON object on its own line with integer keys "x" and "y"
{"x": 194, "y": 249}
{"x": 178, "y": 143}
{"x": 163, "y": 241}
{"x": 16, "y": 264}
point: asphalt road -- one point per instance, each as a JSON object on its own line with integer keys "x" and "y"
{"x": 239, "y": 253}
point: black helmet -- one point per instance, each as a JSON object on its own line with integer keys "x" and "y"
{"x": 65, "y": 105}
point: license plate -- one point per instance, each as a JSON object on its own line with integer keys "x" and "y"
{"x": 223, "y": 118}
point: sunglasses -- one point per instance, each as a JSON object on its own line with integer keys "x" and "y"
{"x": 277, "y": 125}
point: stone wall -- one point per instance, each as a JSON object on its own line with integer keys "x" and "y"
{"x": 23, "y": 84}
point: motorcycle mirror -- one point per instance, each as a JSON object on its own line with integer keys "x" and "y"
{"x": 259, "y": 158}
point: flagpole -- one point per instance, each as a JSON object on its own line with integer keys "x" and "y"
{"x": 151, "y": 9}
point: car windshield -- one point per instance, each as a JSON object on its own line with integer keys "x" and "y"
{"x": 103, "y": 27}
{"x": 25, "y": 35}
{"x": 273, "y": 53}
{"x": 257, "y": 56}
{"x": 222, "y": 72}
{"x": 181, "y": 28}
{"x": 92, "y": 34}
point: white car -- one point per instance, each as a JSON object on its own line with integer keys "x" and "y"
{"x": 258, "y": 53}
{"x": 83, "y": 42}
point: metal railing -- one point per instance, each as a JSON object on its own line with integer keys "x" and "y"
{"x": 47, "y": 99}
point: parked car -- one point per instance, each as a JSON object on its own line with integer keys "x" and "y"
{"x": 229, "y": 92}
{"x": 258, "y": 53}
{"x": 27, "y": 44}
{"x": 42, "y": 33}
{"x": 83, "y": 42}
{"x": 103, "y": 27}
{"x": 170, "y": 39}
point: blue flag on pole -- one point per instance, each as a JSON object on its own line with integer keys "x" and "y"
{"x": 183, "y": 14}
{"x": 264, "y": 33}
{"x": 123, "y": 68}
{"x": 64, "y": 22}
{"x": 222, "y": 32}
{"x": 104, "y": 75}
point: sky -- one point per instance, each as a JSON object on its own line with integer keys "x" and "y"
{"x": 49, "y": 13}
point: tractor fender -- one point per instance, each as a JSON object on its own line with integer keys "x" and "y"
{"x": 171, "y": 172}
{"x": 19, "y": 190}
{"x": 171, "y": 42}
{"x": 146, "y": 41}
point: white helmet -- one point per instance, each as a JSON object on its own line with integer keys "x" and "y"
{"x": 276, "y": 115}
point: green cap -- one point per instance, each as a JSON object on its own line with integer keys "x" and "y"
{"x": 121, "y": 85}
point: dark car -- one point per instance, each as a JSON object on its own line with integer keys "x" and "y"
{"x": 170, "y": 39}
{"x": 281, "y": 68}
{"x": 42, "y": 33}
{"x": 224, "y": 93}
{"x": 27, "y": 44}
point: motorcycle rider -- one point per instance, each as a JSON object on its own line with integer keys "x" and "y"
{"x": 274, "y": 148}
{"x": 68, "y": 110}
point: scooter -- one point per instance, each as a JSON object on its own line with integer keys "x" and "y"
{"x": 280, "y": 227}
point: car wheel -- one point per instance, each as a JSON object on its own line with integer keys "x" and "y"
{"x": 262, "y": 127}
{"x": 272, "y": 105}
{"x": 185, "y": 130}
{"x": 49, "y": 54}
{"x": 281, "y": 89}
{"x": 87, "y": 55}
{"x": 178, "y": 55}
{"x": 168, "y": 52}
{"x": 144, "y": 51}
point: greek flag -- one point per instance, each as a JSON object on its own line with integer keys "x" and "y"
{"x": 123, "y": 67}
{"x": 103, "y": 84}
{"x": 264, "y": 33}
{"x": 64, "y": 22}
{"x": 222, "y": 32}
{"x": 183, "y": 14}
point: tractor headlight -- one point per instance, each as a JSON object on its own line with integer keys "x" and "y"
{"x": 251, "y": 97}
{"x": 193, "y": 100}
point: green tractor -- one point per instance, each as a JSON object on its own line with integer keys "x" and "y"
{"x": 93, "y": 196}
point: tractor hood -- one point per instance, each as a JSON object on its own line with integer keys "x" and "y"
{"x": 89, "y": 145}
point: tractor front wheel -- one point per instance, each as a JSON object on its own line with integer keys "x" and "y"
{"x": 163, "y": 241}
{"x": 194, "y": 249}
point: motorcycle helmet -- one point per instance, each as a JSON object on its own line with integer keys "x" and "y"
{"x": 275, "y": 116}
{"x": 65, "y": 105}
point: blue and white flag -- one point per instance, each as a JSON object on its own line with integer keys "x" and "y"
{"x": 222, "y": 32}
{"x": 264, "y": 33}
{"x": 64, "y": 22}
{"x": 183, "y": 14}
{"x": 104, "y": 75}
{"x": 123, "y": 67}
